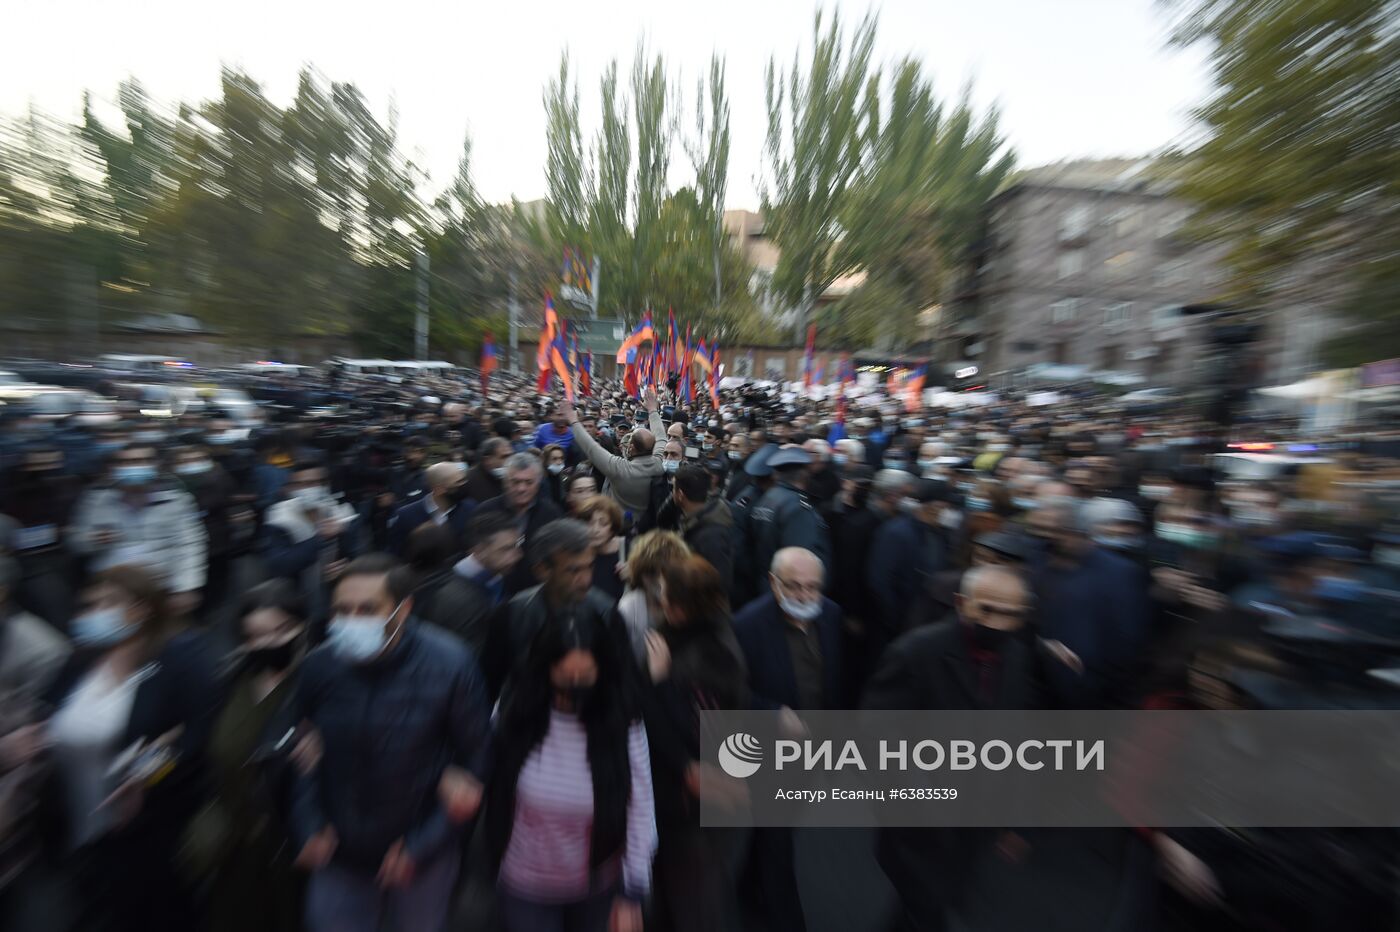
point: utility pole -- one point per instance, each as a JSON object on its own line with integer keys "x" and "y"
{"x": 514, "y": 321}
{"x": 420, "y": 329}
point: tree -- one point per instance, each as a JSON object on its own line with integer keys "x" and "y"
{"x": 652, "y": 107}
{"x": 565, "y": 175}
{"x": 1298, "y": 164}
{"x": 611, "y": 208}
{"x": 813, "y": 153}
{"x": 916, "y": 205}
{"x": 709, "y": 156}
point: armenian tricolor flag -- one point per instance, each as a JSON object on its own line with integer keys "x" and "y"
{"x": 642, "y": 333}
{"x": 488, "y": 359}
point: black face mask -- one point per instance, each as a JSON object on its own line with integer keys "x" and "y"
{"x": 580, "y": 696}
{"x": 273, "y": 659}
{"x": 991, "y": 639}
{"x": 457, "y": 493}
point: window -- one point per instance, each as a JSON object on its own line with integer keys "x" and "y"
{"x": 1071, "y": 263}
{"x": 1118, "y": 315}
{"x": 1126, "y": 220}
{"x": 1064, "y": 312}
{"x": 1173, "y": 274}
{"x": 1119, "y": 263}
{"x": 1166, "y": 317}
{"x": 1076, "y": 221}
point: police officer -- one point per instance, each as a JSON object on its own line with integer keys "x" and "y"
{"x": 759, "y": 479}
{"x": 783, "y": 517}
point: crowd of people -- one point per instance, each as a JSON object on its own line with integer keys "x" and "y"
{"x": 410, "y": 645}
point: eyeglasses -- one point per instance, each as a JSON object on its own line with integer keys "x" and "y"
{"x": 812, "y": 589}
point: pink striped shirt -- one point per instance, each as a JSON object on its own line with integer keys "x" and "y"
{"x": 547, "y": 859}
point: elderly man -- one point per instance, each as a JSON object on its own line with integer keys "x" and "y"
{"x": 982, "y": 659}
{"x": 628, "y": 480}
{"x": 445, "y": 505}
{"x": 791, "y": 641}
{"x": 848, "y": 451}
{"x": 823, "y": 482}
{"x": 522, "y": 502}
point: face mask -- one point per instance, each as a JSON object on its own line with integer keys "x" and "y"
{"x": 1387, "y": 556}
{"x": 802, "y": 611}
{"x": 1025, "y": 504}
{"x": 1155, "y": 492}
{"x": 308, "y": 496}
{"x": 707, "y": 447}
{"x": 1122, "y": 544}
{"x": 193, "y": 468}
{"x": 839, "y": 459}
{"x": 979, "y": 504}
{"x": 273, "y": 659}
{"x": 359, "y": 639}
{"x": 909, "y": 505}
{"x": 950, "y": 519}
{"x": 1185, "y": 536}
{"x": 499, "y": 472}
{"x": 990, "y": 639}
{"x": 221, "y": 439}
{"x": 997, "y": 448}
{"x": 101, "y": 627}
{"x": 148, "y": 436}
{"x": 670, "y": 465}
{"x": 1253, "y": 516}
{"x": 134, "y": 474}
{"x": 894, "y": 462}
{"x": 735, "y": 455}
{"x": 555, "y": 468}
{"x": 579, "y": 697}
{"x": 108, "y": 446}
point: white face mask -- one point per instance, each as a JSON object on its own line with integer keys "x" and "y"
{"x": 101, "y": 627}
{"x": 499, "y": 472}
{"x": 802, "y": 611}
{"x": 555, "y": 468}
{"x": 360, "y": 638}
{"x": 950, "y": 519}
{"x": 735, "y": 455}
{"x": 310, "y": 495}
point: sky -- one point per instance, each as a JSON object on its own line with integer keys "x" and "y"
{"x": 1072, "y": 78}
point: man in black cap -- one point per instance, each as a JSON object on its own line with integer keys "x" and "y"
{"x": 784, "y": 517}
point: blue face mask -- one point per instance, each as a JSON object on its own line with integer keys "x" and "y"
{"x": 133, "y": 474}
{"x": 1186, "y": 536}
{"x": 671, "y": 465}
{"x": 1121, "y": 544}
{"x": 101, "y": 627}
{"x": 978, "y": 504}
{"x": 1025, "y": 504}
{"x": 108, "y": 446}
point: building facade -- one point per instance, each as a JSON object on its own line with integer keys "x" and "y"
{"x": 1084, "y": 264}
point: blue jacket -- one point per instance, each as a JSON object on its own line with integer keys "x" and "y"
{"x": 415, "y": 514}
{"x": 1098, "y": 608}
{"x": 389, "y": 729}
{"x": 759, "y": 629}
{"x": 904, "y": 554}
{"x": 547, "y": 435}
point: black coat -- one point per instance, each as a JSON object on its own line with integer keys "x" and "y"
{"x": 482, "y": 486}
{"x": 415, "y": 514}
{"x": 389, "y": 729}
{"x": 759, "y": 628}
{"x": 455, "y": 604}
{"x": 541, "y": 513}
{"x": 514, "y": 625}
{"x": 710, "y": 533}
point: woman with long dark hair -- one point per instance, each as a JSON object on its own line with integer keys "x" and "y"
{"x": 697, "y": 666}
{"x": 134, "y": 710}
{"x": 570, "y": 816}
